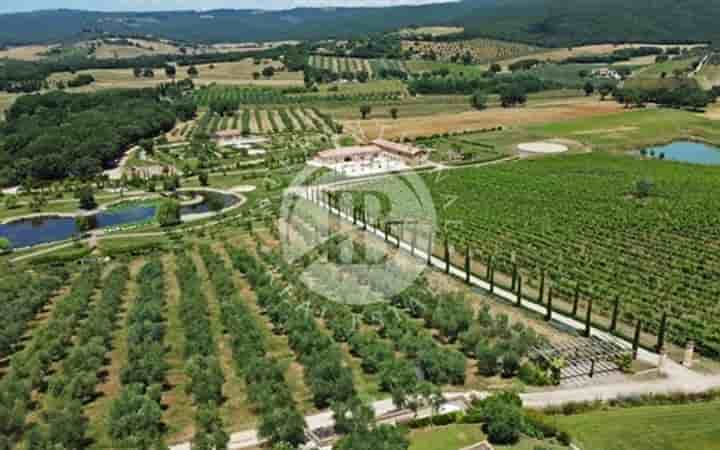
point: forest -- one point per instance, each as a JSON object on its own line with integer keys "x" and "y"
{"x": 58, "y": 134}
{"x": 540, "y": 22}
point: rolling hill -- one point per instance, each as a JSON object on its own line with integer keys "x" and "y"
{"x": 544, "y": 22}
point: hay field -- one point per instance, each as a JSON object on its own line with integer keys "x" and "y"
{"x": 546, "y": 111}
{"x": 25, "y": 53}
{"x": 433, "y": 31}
{"x": 232, "y": 73}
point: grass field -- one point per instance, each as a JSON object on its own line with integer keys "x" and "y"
{"x": 673, "y": 427}
{"x": 456, "y": 437}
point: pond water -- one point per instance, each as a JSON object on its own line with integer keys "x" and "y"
{"x": 691, "y": 152}
{"x": 41, "y": 230}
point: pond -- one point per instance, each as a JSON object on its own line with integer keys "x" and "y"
{"x": 691, "y": 152}
{"x": 44, "y": 229}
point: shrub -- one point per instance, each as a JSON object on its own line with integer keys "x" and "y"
{"x": 4, "y": 245}
{"x": 168, "y": 213}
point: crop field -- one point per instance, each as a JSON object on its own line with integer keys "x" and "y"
{"x": 340, "y": 65}
{"x": 421, "y": 65}
{"x": 459, "y": 117}
{"x": 354, "y": 65}
{"x": 591, "y": 50}
{"x": 269, "y": 96}
{"x": 482, "y": 50}
{"x": 672, "y": 427}
{"x": 583, "y": 222}
{"x": 267, "y": 121}
{"x": 232, "y": 73}
{"x": 432, "y": 31}
{"x": 185, "y": 343}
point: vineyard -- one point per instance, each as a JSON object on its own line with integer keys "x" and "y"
{"x": 268, "y": 96}
{"x": 481, "y": 50}
{"x": 340, "y": 65}
{"x": 373, "y": 67}
{"x": 267, "y": 121}
{"x": 638, "y": 238}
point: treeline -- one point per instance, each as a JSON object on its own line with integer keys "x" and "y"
{"x": 279, "y": 417}
{"x": 203, "y": 368}
{"x": 468, "y": 85}
{"x": 684, "y": 97}
{"x": 56, "y": 135}
{"x": 624, "y": 54}
{"x": 135, "y": 416}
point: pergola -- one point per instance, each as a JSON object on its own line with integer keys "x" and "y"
{"x": 582, "y": 357}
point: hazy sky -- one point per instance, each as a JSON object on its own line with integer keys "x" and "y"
{"x": 155, "y": 5}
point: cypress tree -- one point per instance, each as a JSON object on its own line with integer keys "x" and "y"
{"x": 467, "y": 264}
{"x": 541, "y": 297}
{"x": 636, "y": 339}
{"x": 661, "y": 335}
{"x": 429, "y": 248}
{"x": 576, "y": 300}
{"x": 414, "y": 239}
{"x": 616, "y": 312}
{"x": 519, "y": 290}
{"x": 492, "y": 279}
{"x": 447, "y": 255}
{"x": 401, "y": 233}
{"x": 548, "y": 314}
{"x": 487, "y": 267}
{"x": 588, "y": 318}
{"x": 514, "y": 276}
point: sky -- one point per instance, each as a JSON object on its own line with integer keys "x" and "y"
{"x": 157, "y": 5}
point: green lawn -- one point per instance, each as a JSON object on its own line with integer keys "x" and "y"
{"x": 673, "y": 427}
{"x": 456, "y": 437}
{"x": 620, "y": 131}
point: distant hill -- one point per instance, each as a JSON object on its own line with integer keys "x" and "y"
{"x": 545, "y": 22}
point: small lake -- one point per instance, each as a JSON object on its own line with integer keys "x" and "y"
{"x": 690, "y": 152}
{"x": 44, "y": 229}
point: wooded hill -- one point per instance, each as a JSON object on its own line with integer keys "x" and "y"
{"x": 541, "y": 22}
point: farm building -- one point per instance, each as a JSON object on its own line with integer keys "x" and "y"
{"x": 377, "y": 157}
{"x": 408, "y": 154}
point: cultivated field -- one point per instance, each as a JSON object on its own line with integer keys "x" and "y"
{"x": 591, "y": 50}
{"x": 340, "y": 65}
{"x": 263, "y": 121}
{"x": 616, "y": 250}
{"x": 482, "y": 50}
{"x": 232, "y": 73}
{"x": 432, "y": 31}
{"x": 26, "y": 53}
{"x": 466, "y": 119}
